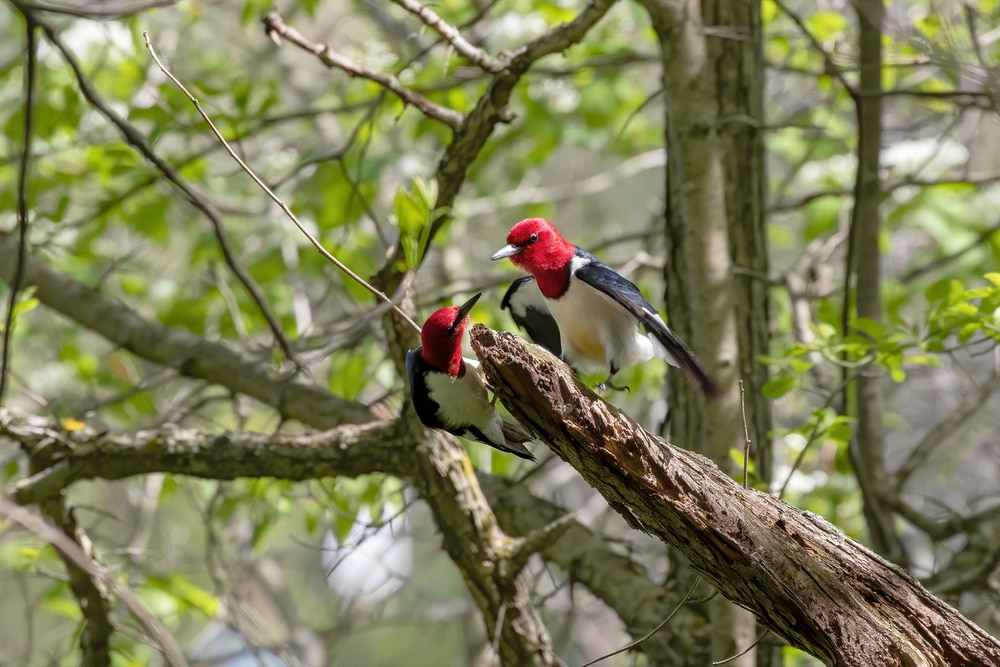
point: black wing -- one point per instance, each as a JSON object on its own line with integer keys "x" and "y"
{"x": 426, "y": 407}
{"x": 530, "y": 312}
{"x": 510, "y": 446}
{"x": 624, "y": 292}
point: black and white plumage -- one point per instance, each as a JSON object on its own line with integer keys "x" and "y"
{"x": 529, "y": 311}
{"x": 602, "y": 320}
{"x": 449, "y": 391}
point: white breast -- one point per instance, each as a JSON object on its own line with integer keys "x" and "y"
{"x": 464, "y": 401}
{"x": 595, "y": 331}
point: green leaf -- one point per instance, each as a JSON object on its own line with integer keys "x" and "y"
{"x": 412, "y": 213}
{"x": 187, "y": 593}
{"x": 840, "y": 431}
{"x": 778, "y": 387}
{"x": 768, "y": 10}
{"x": 822, "y": 216}
{"x": 943, "y": 290}
{"x": 63, "y": 606}
{"x": 826, "y": 25}
{"x": 868, "y": 326}
{"x": 801, "y": 366}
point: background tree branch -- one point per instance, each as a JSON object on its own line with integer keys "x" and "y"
{"x": 291, "y": 394}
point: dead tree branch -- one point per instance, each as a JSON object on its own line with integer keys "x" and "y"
{"x": 804, "y": 579}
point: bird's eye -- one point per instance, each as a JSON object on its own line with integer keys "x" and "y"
{"x": 533, "y": 238}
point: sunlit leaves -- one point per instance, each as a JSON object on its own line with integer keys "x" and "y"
{"x": 185, "y": 594}
{"x": 412, "y": 213}
{"x": 826, "y": 25}
{"x": 955, "y": 310}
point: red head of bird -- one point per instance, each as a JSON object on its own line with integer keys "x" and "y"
{"x": 537, "y": 247}
{"x": 441, "y": 338}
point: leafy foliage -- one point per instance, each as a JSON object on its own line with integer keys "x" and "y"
{"x": 357, "y": 165}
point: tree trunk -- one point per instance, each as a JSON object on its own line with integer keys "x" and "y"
{"x": 805, "y": 580}
{"x": 739, "y": 94}
{"x": 700, "y": 294}
{"x": 868, "y": 444}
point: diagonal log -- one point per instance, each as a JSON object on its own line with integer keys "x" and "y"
{"x": 804, "y": 579}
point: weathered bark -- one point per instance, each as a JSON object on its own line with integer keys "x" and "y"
{"x": 350, "y": 450}
{"x": 698, "y": 275}
{"x": 92, "y": 598}
{"x": 805, "y": 580}
{"x": 491, "y": 563}
{"x": 868, "y": 444}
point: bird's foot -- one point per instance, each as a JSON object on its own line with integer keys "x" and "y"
{"x": 608, "y": 384}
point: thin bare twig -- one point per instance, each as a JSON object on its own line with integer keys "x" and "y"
{"x": 451, "y": 34}
{"x": 292, "y": 394}
{"x": 831, "y": 396}
{"x": 474, "y": 129}
{"x": 653, "y": 159}
{"x": 945, "y": 429}
{"x": 22, "y": 199}
{"x": 935, "y": 264}
{"x": 673, "y": 612}
{"x": 829, "y": 67}
{"x": 270, "y": 193}
{"x": 746, "y": 434}
{"x": 275, "y": 28}
{"x": 744, "y": 651}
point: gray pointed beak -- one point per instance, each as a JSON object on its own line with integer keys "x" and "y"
{"x": 466, "y": 308}
{"x": 507, "y": 251}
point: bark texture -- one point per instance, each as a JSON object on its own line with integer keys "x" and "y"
{"x": 739, "y": 91}
{"x": 805, "y": 580}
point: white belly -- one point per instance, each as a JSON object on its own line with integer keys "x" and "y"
{"x": 596, "y": 332}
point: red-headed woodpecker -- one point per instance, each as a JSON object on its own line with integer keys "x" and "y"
{"x": 449, "y": 390}
{"x": 592, "y": 311}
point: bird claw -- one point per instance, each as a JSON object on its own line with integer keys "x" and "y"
{"x": 608, "y": 384}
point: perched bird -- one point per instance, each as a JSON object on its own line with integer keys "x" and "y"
{"x": 449, "y": 390}
{"x": 593, "y": 311}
